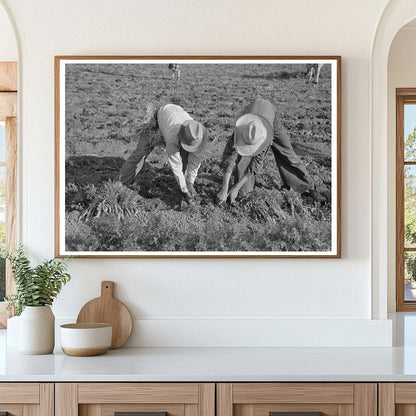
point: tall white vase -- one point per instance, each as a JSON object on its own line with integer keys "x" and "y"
{"x": 37, "y": 330}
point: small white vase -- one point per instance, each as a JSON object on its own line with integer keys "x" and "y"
{"x": 37, "y": 330}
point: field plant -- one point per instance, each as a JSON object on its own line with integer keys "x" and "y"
{"x": 35, "y": 285}
{"x": 106, "y": 106}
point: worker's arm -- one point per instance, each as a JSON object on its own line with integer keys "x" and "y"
{"x": 236, "y": 188}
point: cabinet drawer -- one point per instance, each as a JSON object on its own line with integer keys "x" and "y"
{"x": 147, "y": 399}
{"x": 21, "y": 399}
{"x": 19, "y": 393}
{"x": 138, "y": 393}
{"x": 297, "y": 399}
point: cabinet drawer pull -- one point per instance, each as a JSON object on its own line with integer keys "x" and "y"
{"x": 139, "y": 414}
{"x": 295, "y": 413}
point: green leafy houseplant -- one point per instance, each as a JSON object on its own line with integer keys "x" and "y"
{"x": 35, "y": 286}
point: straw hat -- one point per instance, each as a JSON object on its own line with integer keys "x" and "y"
{"x": 191, "y": 135}
{"x": 253, "y": 133}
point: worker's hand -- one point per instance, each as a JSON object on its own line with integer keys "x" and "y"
{"x": 222, "y": 196}
{"x": 191, "y": 189}
{"x": 233, "y": 195}
{"x": 187, "y": 197}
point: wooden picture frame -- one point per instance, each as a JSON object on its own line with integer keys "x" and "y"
{"x": 106, "y": 105}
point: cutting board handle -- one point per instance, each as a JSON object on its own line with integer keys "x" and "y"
{"x": 107, "y": 289}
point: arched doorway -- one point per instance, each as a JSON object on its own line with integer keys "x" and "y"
{"x": 396, "y": 15}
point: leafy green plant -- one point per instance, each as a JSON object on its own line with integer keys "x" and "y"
{"x": 35, "y": 286}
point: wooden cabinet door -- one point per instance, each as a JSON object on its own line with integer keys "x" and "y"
{"x": 143, "y": 399}
{"x": 26, "y": 399}
{"x": 297, "y": 399}
{"x": 397, "y": 399}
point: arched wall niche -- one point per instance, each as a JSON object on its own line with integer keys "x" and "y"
{"x": 396, "y": 15}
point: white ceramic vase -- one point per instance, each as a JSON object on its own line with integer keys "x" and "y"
{"x": 37, "y": 330}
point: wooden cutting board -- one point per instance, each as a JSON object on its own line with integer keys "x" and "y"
{"x": 108, "y": 310}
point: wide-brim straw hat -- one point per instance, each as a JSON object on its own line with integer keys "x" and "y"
{"x": 252, "y": 134}
{"x": 192, "y": 135}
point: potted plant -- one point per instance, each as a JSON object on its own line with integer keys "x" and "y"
{"x": 36, "y": 289}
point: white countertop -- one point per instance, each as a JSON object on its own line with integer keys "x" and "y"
{"x": 221, "y": 364}
{"x": 215, "y": 364}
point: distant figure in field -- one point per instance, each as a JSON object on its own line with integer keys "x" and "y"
{"x": 314, "y": 71}
{"x": 176, "y": 71}
{"x": 255, "y": 132}
{"x": 185, "y": 141}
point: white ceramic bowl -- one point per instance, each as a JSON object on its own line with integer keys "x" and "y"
{"x": 83, "y": 340}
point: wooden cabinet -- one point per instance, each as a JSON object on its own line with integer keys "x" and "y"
{"x": 107, "y": 399}
{"x": 208, "y": 399}
{"x": 27, "y": 399}
{"x": 264, "y": 399}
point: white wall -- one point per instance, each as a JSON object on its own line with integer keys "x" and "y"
{"x": 8, "y": 46}
{"x": 197, "y": 302}
{"x": 401, "y": 74}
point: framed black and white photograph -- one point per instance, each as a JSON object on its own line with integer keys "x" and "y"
{"x": 198, "y": 156}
